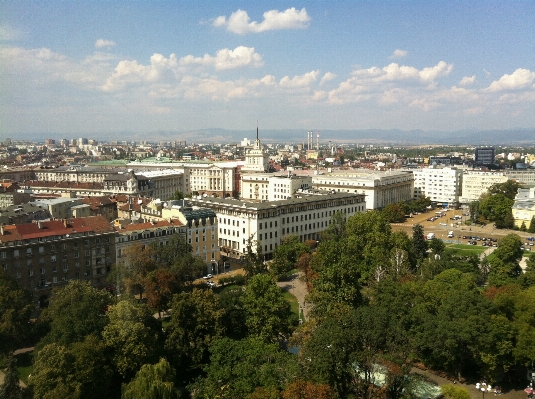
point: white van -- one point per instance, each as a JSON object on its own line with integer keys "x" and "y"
{"x": 450, "y": 234}
{"x": 430, "y": 236}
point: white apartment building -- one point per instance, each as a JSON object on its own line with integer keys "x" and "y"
{"x": 442, "y": 185}
{"x": 379, "y": 188}
{"x": 477, "y": 182}
{"x": 306, "y": 216}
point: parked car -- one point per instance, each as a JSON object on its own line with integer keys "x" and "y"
{"x": 207, "y": 276}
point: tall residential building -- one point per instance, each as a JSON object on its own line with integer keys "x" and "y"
{"x": 476, "y": 182}
{"x": 442, "y": 185}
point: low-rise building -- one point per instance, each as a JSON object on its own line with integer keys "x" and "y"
{"x": 477, "y": 182}
{"x": 524, "y": 207}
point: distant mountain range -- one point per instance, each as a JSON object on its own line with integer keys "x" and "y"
{"x": 297, "y": 136}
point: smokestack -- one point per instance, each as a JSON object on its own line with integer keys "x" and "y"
{"x": 318, "y": 142}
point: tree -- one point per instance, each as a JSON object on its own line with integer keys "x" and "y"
{"x": 336, "y": 228}
{"x": 267, "y": 312}
{"x": 451, "y": 391}
{"x": 497, "y": 208}
{"x": 152, "y": 381}
{"x": 504, "y": 266}
{"x": 140, "y": 261}
{"x": 177, "y": 195}
{"x": 233, "y": 319}
{"x": 92, "y": 368}
{"x": 474, "y": 211}
{"x": 53, "y": 376}
{"x": 394, "y": 213}
{"x": 286, "y": 256}
{"x": 437, "y": 246}
{"x": 10, "y": 389}
{"x": 531, "y": 228}
{"x": 237, "y": 368}
{"x": 419, "y": 246}
{"x": 160, "y": 285}
{"x": 15, "y": 311}
{"x": 508, "y": 189}
{"x": 254, "y": 260}
{"x": 75, "y": 311}
{"x": 300, "y": 389}
{"x": 133, "y": 335}
{"x": 196, "y": 319}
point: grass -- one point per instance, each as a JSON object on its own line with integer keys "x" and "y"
{"x": 467, "y": 250}
{"x": 294, "y": 304}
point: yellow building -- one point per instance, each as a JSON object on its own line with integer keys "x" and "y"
{"x": 524, "y": 207}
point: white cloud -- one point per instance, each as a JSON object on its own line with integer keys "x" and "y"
{"x": 466, "y": 81}
{"x": 327, "y": 77}
{"x": 398, "y": 54}
{"x": 519, "y": 79}
{"x": 239, "y": 21}
{"x": 299, "y": 81}
{"x": 227, "y": 59}
{"x": 104, "y": 43}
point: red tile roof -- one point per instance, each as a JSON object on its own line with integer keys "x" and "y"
{"x": 92, "y": 224}
{"x": 149, "y": 225}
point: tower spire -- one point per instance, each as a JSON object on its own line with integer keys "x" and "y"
{"x": 257, "y": 129}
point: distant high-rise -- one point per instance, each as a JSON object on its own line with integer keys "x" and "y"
{"x": 485, "y": 156}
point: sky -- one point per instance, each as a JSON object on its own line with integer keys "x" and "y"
{"x": 87, "y": 67}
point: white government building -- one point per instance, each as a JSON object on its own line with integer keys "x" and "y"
{"x": 305, "y": 215}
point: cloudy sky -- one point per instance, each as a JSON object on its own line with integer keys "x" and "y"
{"x": 106, "y": 66}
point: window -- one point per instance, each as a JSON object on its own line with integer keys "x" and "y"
{"x": 87, "y": 252}
{"x": 15, "y": 253}
{"x": 87, "y": 262}
{"x": 42, "y": 270}
{"x": 28, "y": 251}
{"x": 41, "y": 250}
{"x": 76, "y": 254}
{"x": 4, "y": 266}
{"x": 30, "y": 272}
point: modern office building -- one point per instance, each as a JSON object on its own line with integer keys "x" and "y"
{"x": 485, "y": 156}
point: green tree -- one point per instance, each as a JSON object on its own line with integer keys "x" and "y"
{"x": 531, "y": 228}
{"x": 53, "y": 376}
{"x": 497, "y": 208}
{"x": 75, "y": 311}
{"x": 177, "y": 195}
{"x": 336, "y": 228}
{"x": 419, "y": 246}
{"x": 10, "y": 388}
{"x": 504, "y": 266}
{"x": 474, "y": 211}
{"x": 286, "y": 256}
{"x": 196, "y": 321}
{"x": 152, "y": 381}
{"x": 267, "y": 312}
{"x": 451, "y": 391}
{"x": 254, "y": 260}
{"x": 133, "y": 335}
{"x": 15, "y": 311}
{"x": 508, "y": 189}
{"x": 237, "y": 368}
{"x": 437, "y": 246}
{"x": 454, "y": 323}
{"x": 234, "y": 316}
{"x": 394, "y": 213}
{"x": 92, "y": 368}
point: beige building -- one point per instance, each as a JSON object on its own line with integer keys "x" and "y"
{"x": 524, "y": 207}
{"x": 379, "y": 188}
{"x": 476, "y": 182}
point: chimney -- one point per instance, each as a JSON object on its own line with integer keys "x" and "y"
{"x": 65, "y": 222}
{"x": 39, "y": 225}
{"x": 2, "y": 229}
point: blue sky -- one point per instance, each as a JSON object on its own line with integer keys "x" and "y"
{"x": 106, "y": 66}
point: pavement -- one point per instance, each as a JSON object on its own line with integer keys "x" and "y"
{"x": 296, "y": 286}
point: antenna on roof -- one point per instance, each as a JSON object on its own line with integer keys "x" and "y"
{"x": 257, "y": 129}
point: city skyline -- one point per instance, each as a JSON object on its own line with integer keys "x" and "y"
{"x": 91, "y": 67}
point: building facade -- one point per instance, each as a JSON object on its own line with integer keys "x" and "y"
{"x": 379, "y": 188}
{"x": 49, "y": 253}
{"x": 524, "y": 207}
{"x": 442, "y": 185}
{"x": 476, "y": 182}
{"x": 305, "y": 215}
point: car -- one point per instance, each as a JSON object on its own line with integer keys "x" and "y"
{"x": 227, "y": 265}
{"x": 211, "y": 284}
{"x": 464, "y": 237}
{"x": 530, "y": 238}
{"x": 443, "y": 224}
{"x": 484, "y": 244}
{"x": 530, "y": 244}
{"x": 207, "y": 276}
